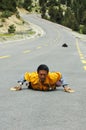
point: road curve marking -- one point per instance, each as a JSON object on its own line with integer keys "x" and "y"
{"x": 3, "y": 57}
{"x": 26, "y": 51}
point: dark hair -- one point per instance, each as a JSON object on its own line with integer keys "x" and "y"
{"x": 43, "y": 67}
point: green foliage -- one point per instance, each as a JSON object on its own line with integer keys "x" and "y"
{"x": 84, "y": 17}
{"x": 2, "y": 20}
{"x": 74, "y": 15}
{"x": 70, "y": 20}
{"x": 42, "y": 2}
{"x": 20, "y": 3}
{"x": 82, "y": 29}
{"x": 79, "y": 7}
{"x": 8, "y": 5}
{"x": 62, "y": 1}
{"x": 6, "y": 14}
{"x": 55, "y": 14}
{"x": 53, "y": 3}
{"x": 43, "y": 11}
{"x": 1, "y": 25}
{"x": 27, "y": 4}
{"x": 11, "y": 28}
{"x": 68, "y": 2}
{"x": 17, "y": 15}
{"x": 23, "y": 22}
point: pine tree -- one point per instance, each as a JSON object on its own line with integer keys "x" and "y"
{"x": 70, "y": 20}
{"x": 8, "y": 5}
{"x": 42, "y": 2}
{"x": 27, "y": 4}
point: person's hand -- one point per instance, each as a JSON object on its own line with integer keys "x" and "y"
{"x": 68, "y": 89}
{"x": 17, "y": 88}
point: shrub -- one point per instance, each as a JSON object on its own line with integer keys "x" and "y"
{"x": 6, "y": 14}
{"x": 70, "y": 20}
{"x": 23, "y": 22}
{"x": 8, "y": 5}
{"x": 11, "y": 28}
{"x": 55, "y": 14}
{"x": 17, "y": 15}
{"x": 84, "y": 29}
{"x": 1, "y": 25}
{"x": 2, "y": 20}
{"x": 80, "y": 29}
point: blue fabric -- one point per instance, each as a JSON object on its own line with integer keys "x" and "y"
{"x": 64, "y": 83}
{"x": 22, "y": 80}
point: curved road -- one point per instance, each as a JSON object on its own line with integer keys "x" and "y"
{"x": 34, "y": 110}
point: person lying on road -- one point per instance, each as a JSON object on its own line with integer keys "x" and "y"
{"x": 42, "y": 80}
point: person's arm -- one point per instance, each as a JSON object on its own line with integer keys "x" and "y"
{"x": 19, "y": 85}
{"x": 21, "y": 81}
{"x": 65, "y": 86}
{"x": 63, "y": 82}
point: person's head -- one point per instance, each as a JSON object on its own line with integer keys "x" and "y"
{"x": 42, "y": 71}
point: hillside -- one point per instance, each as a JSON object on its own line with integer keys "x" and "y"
{"x": 23, "y": 29}
{"x": 69, "y": 13}
{"x": 20, "y": 25}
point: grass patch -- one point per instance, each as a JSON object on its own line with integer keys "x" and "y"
{"x": 31, "y": 32}
{"x": 7, "y": 35}
{"x": 81, "y": 29}
{"x": 17, "y": 35}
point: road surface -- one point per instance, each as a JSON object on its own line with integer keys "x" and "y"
{"x": 35, "y": 110}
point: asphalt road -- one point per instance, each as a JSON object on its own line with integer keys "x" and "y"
{"x": 35, "y": 110}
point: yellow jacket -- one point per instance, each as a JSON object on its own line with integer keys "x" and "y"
{"x": 50, "y": 82}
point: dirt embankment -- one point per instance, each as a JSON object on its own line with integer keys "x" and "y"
{"x": 20, "y": 24}
{"x": 23, "y": 29}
